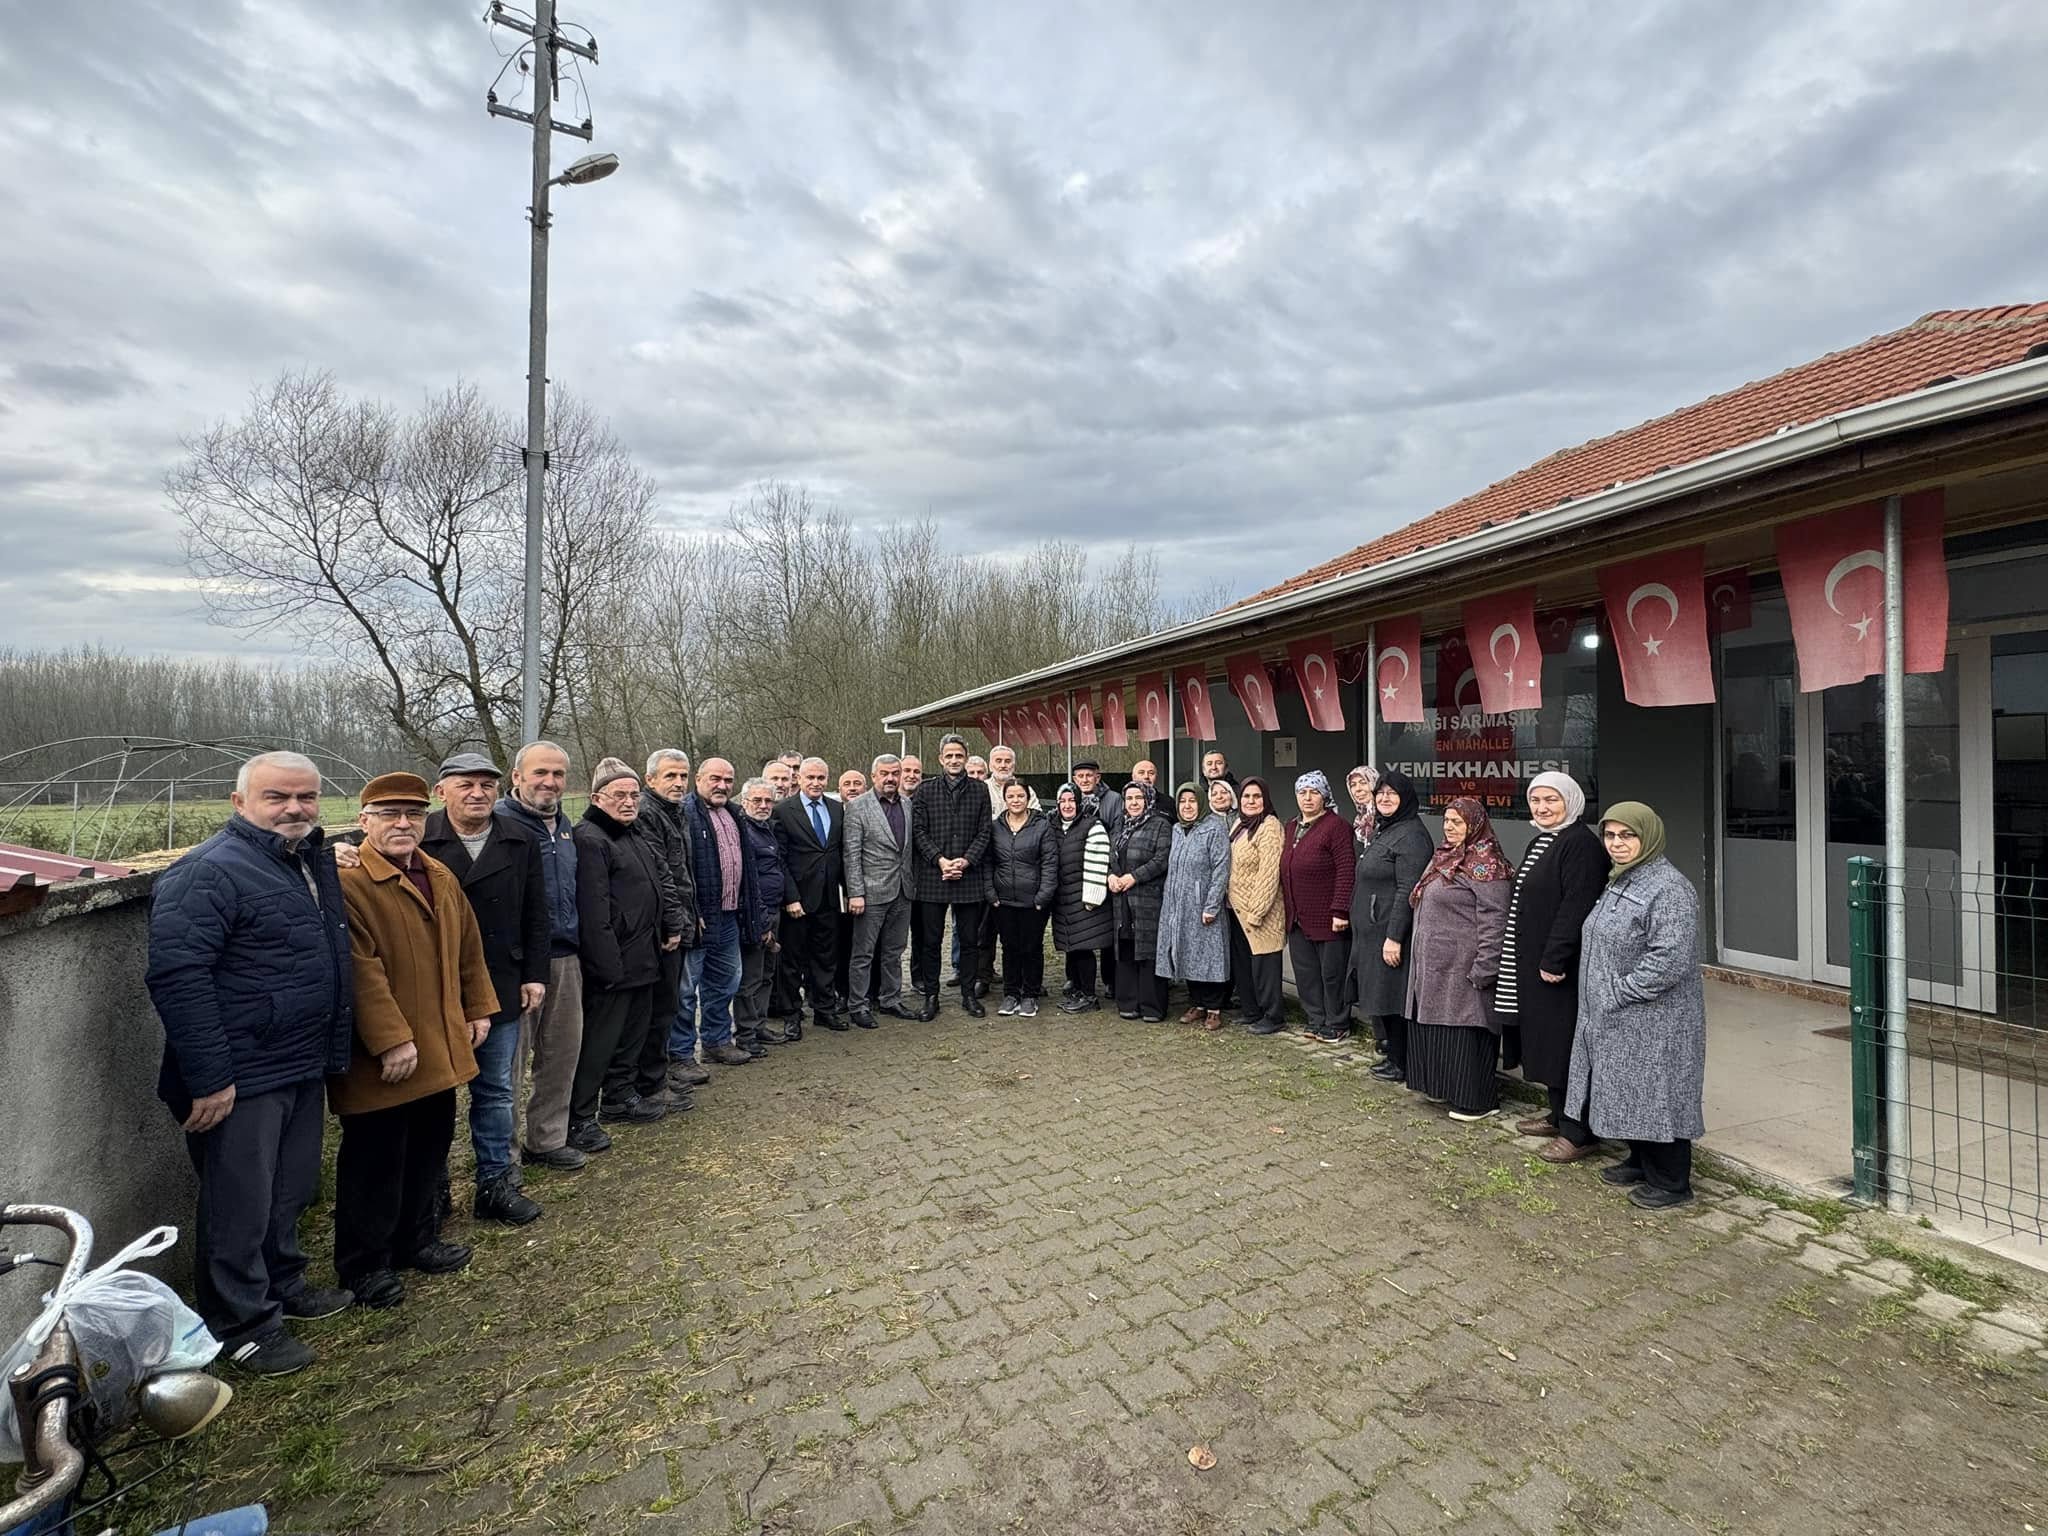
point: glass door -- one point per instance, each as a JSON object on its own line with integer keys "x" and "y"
{"x": 1762, "y": 885}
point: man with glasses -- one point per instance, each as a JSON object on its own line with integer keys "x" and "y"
{"x": 726, "y": 902}
{"x": 249, "y": 971}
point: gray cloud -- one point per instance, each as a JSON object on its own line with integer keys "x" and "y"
{"x": 1255, "y": 284}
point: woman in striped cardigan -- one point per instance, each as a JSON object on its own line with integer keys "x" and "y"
{"x": 1081, "y": 928}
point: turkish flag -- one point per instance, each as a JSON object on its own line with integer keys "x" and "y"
{"x": 1351, "y": 663}
{"x": 991, "y": 729}
{"x": 1046, "y": 714}
{"x": 1397, "y": 670}
{"x": 1657, "y": 608}
{"x": 1315, "y": 669}
{"x": 1833, "y": 570}
{"x": 1457, "y": 685}
{"x": 1554, "y": 630}
{"x": 1084, "y": 718}
{"x": 1500, "y": 632}
{"x": 1026, "y": 729}
{"x": 1254, "y": 690}
{"x": 1004, "y": 732}
{"x": 1063, "y": 718}
{"x": 1116, "y": 724}
{"x": 1728, "y": 602}
{"x": 1195, "y": 707}
{"x": 1155, "y": 706}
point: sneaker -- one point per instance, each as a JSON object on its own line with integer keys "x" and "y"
{"x": 274, "y": 1354}
{"x": 1010, "y": 1005}
{"x": 439, "y": 1258}
{"x": 568, "y": 1159}
{"x": 1080, "y": 1002}
{"x": 1387, "y": 1072}
{"x": 500, "y": 1200}
{"x": 1622, "y": 1173}
{"x": 1028, "y": 1008}
{"x": 1471, "y": 1116}
{"x": 1659, "y": 1199}
{"x": 589, "y": 1137}
{"x": 312, "y": 1302}
{"x": 380, "y": 1288}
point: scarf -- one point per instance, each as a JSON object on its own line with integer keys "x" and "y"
{"x": 1247, "y": 824}
{"x": 1402, "y": 785}
{"x": 1362, "y": 822}
{"x": 1646, "y": 824}
{"x": 1568, "y": 787}
{"x": 1129, "y": 823}
{"x": 1479, "y": 858}
{"x": 1316, "y": 779}
{"x": 1201, "y": 804}
{"x": 1061, "y": 816}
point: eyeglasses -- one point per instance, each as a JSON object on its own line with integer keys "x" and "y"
{"x": 1623, "y": 836}
{"x": 394, "y": 813}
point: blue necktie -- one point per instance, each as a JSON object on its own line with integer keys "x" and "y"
{"x": 818, "y": 820}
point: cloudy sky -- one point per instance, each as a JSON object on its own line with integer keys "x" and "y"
{"x": 1254, "y": 283}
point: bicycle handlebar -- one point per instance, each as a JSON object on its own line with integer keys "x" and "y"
{"x": 70, "y": 1223}
{"x": 53, "y": 1464}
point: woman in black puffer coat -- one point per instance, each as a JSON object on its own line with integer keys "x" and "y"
{"x": 1024, "y": 869}
{"x": 1138, "y": 855}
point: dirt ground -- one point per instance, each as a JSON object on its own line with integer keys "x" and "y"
{"x": 1001, "y": 1276}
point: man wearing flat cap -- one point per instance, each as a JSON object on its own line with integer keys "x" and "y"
{"x": 498, "y": 861}
{"x": 424, "y": 1003}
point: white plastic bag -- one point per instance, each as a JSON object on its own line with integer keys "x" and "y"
{"x": 128, "y": 1327}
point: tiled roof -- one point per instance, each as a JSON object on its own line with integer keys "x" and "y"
{"x": 1947, "y": 343}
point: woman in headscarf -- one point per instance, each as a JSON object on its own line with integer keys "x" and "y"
{"x": 1461, "y": 909}
{"x": 1194, "y": 941}
{"x": 1316, "y": 859}
{"x": 1362, "y": 783}
{"x": 1557, "y": 882}
{"x": 1024, "y": 879}
{"x": 1639, "y": 1061}
{"x": 1258, "y": 917}
{"x": 1222, "y": 794}
{"x": 1139, "y": 849}
{"x": 1388, "y": 868}
{"x": 1080, "y": 912}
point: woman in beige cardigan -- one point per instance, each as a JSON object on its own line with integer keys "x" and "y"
{"x": 1260, "y": 932}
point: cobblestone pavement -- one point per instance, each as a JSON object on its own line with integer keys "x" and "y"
{"x": 1002, "y": 1276}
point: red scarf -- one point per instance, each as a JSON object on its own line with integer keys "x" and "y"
{"x": 1479, "y": 858}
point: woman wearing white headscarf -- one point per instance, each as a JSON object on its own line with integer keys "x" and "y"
{"x": 1556, "y": 884}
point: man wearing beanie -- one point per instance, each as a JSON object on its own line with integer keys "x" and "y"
{"x": 628, "y": 913}
{"x": 423, "y": 1004}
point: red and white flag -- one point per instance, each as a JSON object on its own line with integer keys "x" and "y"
{"x": 1048, "y": 723}
{"x": 1500, "y": 632}
{"x": 1155, "y": 706}
{"x": 1196, "y": 710}
{"x": 1025, "y": 727}
{"x": 1833, "y": 570}
{"x": 1728, "y": 602}
{"x": 1397, "y": 670}
{"x": 1351, "y": 662}
{"x": 1254, "y": 689}
{"x": 1005, "y": 731}
{"x": 1315, "y": 669}
{"x": 1084, "y": 717}
{"x": 1457, "y": 685}
{"x": 991, "y": 728}
{"x": 1657, "y": 608}
{"x": 1554, "y": 630}
{"x": 1063, "y": 717}
{"x": 1116, "y": 720}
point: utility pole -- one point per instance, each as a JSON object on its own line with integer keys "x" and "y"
{"x": 546, "y": 90}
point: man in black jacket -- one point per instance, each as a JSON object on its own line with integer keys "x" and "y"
{"x": 662, "y": 822}
{"x": 810, "y": 833}
{"x": 949, "y": 829}
{"x": 627, "y": 914}
{"x": 498, "y": 862}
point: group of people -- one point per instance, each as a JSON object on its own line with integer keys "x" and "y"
{"x": 584, "y": 973}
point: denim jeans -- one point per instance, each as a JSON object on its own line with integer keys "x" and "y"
{"x": 711, "y": 977}
{"x": 490, "y": 1100}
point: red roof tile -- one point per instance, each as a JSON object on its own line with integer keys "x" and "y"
{"x": 1948, "y": 342}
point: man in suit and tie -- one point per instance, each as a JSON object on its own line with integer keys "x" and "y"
{"x": 498, "y": 861}
{"x": 810, "y": 833}
{"x": 878, "y": 893}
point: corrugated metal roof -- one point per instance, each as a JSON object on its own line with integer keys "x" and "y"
{"x": 21, "y": 866}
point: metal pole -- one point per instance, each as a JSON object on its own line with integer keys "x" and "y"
{"x": 171, "y": 817}
{"x": 1898, "y": 1064}
{"x": 74, "y": 819}
{"x": 1070, "y": 735}
{"x": 1169, "y": 730}
{"x": 537, "y": 362}
{"x": 1372, "y": 697}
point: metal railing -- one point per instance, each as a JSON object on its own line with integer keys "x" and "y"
{"x": 1950, "y": 1112}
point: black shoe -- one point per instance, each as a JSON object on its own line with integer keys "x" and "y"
{"x": 589, "y": 1137}
{"x": 380, "y": 1288}
{"x": 633, "y": 1111}
{"x": 1078, "y": 1002}
{"x": 981, "y": 986}
{"x": 682, "y": 1070}
{"x": 774, "y": 1034}
{"x": 1127, "y": 1013}
{"x": 312, "y": 1302}
{"x": 728, "y": 1055}
{"x": 792, "y": 1032}
{"x": 757, "y": 1051}
{"x": 1152, "y": 1018}
{"x": 567, "y": 1159}
{"x": 971, "y": 1004}
{"x": 951, "y": 981}
{"x": 1387, "y": 1072}
{"x": 830, "y": 1021}
{"x": 274, "y": 1354}
{"x": 500, "y": 1200}
{"x": 1264, "y": 1027}
{"x": 1623, "y": 1173}
{"x": 439, "y": 1258}
{"x": 895, "y": 1011}
{"x": 930, "y": 1010}
{"x": 1659, "y": 1199}
{"x": 864, "y": 1020}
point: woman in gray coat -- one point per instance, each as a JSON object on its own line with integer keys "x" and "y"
{"x": 1461, "y": 909}
{"x": 1389, "y": 867}
{"x": 1639, "y": 1060}
{"x": 1194, "y": 942}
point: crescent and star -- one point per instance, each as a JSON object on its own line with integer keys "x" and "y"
{"x": 1859, "y": 560}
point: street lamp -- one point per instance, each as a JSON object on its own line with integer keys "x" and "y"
{"x": 590, "y": 168}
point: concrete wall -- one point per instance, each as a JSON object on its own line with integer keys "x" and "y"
{"x": 80, "y": 1122}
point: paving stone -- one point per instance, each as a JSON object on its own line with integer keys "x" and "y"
{"x": 1750, "y": 1206}
{"x": 1890, "y": 1271}
{"x": 1942, "y": 1307}
{"x": 1776, "y": 1229}
{"x": 1865, "y": 1285}
{"x": 1367, "y": 1452}
{"x": 1825, "y": 1260}
{"x": 1847, "y": 1242}
{"x": 1539, "y": 1505}
{"x": 1141, "y": 1389}
{"x": 1712, "y": 1188}
{"x": 2017, "y": 1322}
{"x": 902, "y": 1390}
{"x": 1719, "y": 1221}
{"x": 1987, "y": 1340}
{"x": 929, "y": 1477}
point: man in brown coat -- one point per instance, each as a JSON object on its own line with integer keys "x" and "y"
{"x": 423, "y": 1004}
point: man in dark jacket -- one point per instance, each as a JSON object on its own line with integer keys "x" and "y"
{"x": 553, "y": 1038}
{"x": 726, "y": 875}
{"x": 810, "y": 830}
{"x": 950, "y": 830}
{"x": 628, "y": 913}
{"x": 662, "y": 822}
{"x": 249, "y": 970}
{"x": 498, "y": 861}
